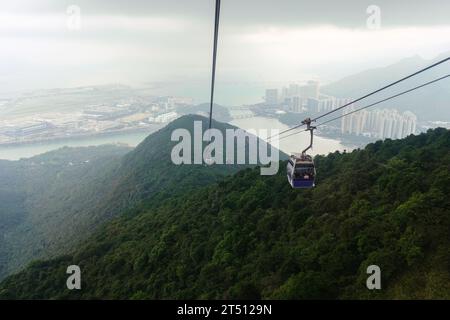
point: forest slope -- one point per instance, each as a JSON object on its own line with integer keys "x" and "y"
{"x": 252, "y": 236}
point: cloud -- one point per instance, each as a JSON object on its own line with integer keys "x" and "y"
{"x": 343, "y": 13}
{"x": 42, "y": 24}
{"x": 141, "y": 41}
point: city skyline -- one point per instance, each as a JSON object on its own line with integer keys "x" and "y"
{"x": 379, "y": 123}
{"x": 376, "y": 123}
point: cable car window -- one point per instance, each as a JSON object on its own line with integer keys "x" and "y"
{"x": 304, "y": 173}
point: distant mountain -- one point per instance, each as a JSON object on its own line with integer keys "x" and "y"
{"x": 55, "y": 200}
{"x": 251, "y": 236}
{"x": 429, "y": 103}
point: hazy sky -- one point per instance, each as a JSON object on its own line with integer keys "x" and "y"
{"x": 142, "y": 41}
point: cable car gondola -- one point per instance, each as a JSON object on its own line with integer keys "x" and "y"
{"x": 301, "y": 172}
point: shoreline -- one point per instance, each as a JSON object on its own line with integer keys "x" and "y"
{"x": 323, "y": 145}
{"x": 132, "y": 137}
{"x": 353, "y": 142}
{"x": 80, "y": 136}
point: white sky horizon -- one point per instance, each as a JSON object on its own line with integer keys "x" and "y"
{"x": 165, "y": 43}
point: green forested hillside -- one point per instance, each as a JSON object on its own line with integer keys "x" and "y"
{"x": 38, "y": 197}
{"x": 252, "y": 236}
{"x": 51, "y": 202}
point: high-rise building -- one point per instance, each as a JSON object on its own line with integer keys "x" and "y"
{"x": 271, "y": 97}
{"x": 294, "y": 104}
{"x": 312, "y": 105}
{"x": 297, "y": 104}
{"x": 309, "y": 90}
{"x": 331, "y": 103}
{"x": 284, "y": 93}
{"x": 386, "y": 123}
{"x": 305, "y": 91}
{"x": 294, "y": 89}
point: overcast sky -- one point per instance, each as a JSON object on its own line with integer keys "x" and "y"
{"x": 142, "y": 41}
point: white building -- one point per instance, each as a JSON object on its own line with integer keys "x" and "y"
{"x": 331, "y": 103}
{"x": 271, "y": 97}
{"x": 164, "y": 118}
{"x": 386, "y": 123}
{"x": 308, "y": 90}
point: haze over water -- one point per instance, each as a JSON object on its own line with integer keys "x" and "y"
{"x": 295, "y": 143}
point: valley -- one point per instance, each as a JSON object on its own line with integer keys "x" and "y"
{"x": 247, "y": 236}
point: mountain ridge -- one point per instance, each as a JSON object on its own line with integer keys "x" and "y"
{"x": 63, "y": 206}
{"x": 250, "y": 236}
{"x": 434, "y": 97}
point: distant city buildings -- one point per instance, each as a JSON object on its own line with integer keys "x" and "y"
{"x": 169, "y": 103}
{"x": 294, "y": 96}
{"x": 27, "y": 129}
{"x": 294, "y": 104}
{"x": 300, "y": 98}
{"x": 329, "y": 103}
{"x": 385, "y": 123}
{"x": 436, "y": 124}
{"x": 271, "y": 97}
{"x": 97, "y": 111}
{"x": 164, "y": 118}
{"x": 308, "y": 90}
{"x": 307, "y": 98}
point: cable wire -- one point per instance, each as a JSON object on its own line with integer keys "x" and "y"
{"x": 368, "y": 95}
{"x": 373, "y": 104}
{"x": 389, "y": 98}
{"x": 216, "y": 36}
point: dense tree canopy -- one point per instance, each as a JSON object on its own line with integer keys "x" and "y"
{"x": 252, "y": 236}
{"x": 51, "y": 202}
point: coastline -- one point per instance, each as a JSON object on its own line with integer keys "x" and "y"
{"x": 81, "y": 136}
{"x": 294, "y": 143}
{"x": 326, "y": 132}
{"x": 323, "y": 143}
